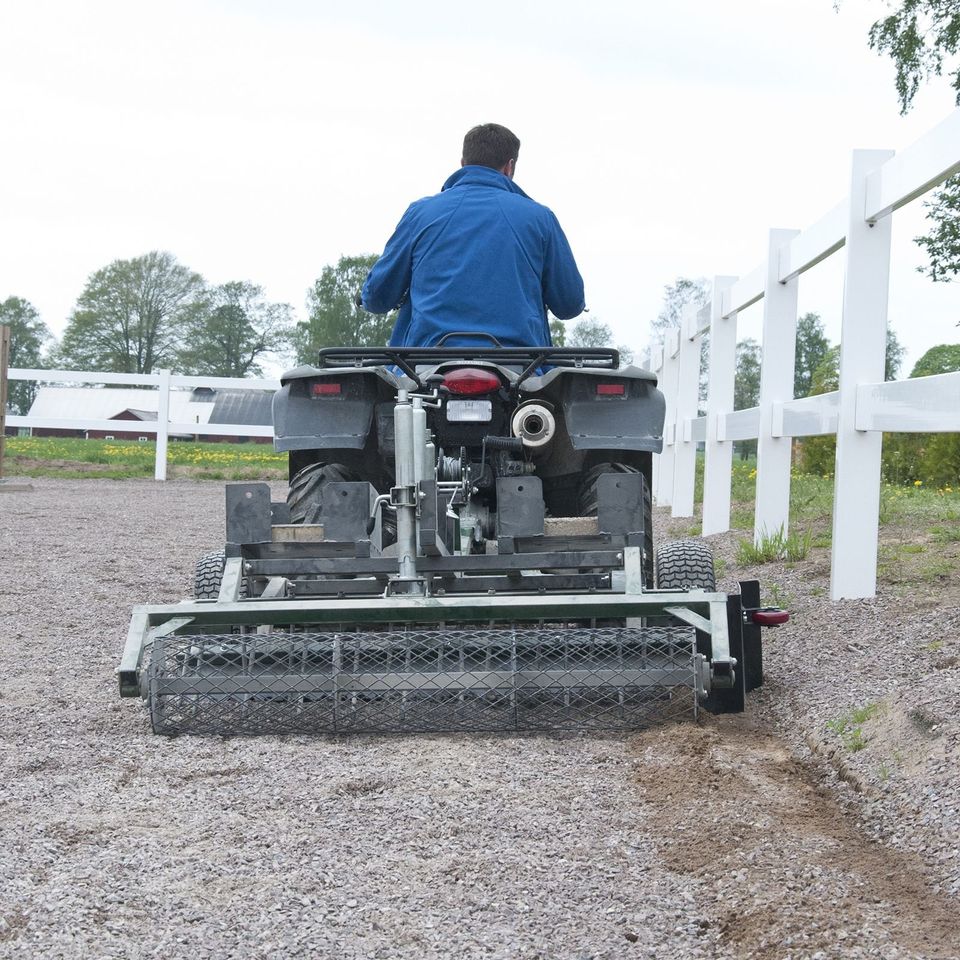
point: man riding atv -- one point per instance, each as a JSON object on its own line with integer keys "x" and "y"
{"x": 479, "y": 256}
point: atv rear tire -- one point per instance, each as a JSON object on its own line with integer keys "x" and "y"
{"x": 305, "y": 496}
{"x": 587, "y": 505}
{"x": 587, "y": 496}
{"x": 685, "y": 565}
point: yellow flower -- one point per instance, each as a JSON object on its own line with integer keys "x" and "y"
{"x": 918, "y": 483}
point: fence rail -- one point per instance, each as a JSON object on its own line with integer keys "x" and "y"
{"x": 163, "y": 427}
{"x": 857, "y": 413}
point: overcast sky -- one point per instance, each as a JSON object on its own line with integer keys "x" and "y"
{"x": 261, "y": 140}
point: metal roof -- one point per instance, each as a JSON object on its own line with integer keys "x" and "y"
{"x": 250, "y": 407}
{"x": 103, "y": 403}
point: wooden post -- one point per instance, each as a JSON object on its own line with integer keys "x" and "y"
{"x": 4, "y": 363}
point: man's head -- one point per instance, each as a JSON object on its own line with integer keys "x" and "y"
{"x": 491, "y": 145}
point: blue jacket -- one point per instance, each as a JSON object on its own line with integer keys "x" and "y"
{"x": 478, "y": 256}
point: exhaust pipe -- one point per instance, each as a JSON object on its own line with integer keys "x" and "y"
{"x": 534, "y": 424}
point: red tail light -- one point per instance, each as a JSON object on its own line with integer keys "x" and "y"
{"x": 470, "y": 382}
{"x": 325, "y": 389}
{"x": 611, "y": 389}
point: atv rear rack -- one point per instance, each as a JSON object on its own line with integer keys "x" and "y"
{"x": 530, "y": 358}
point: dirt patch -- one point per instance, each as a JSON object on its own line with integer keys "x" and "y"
{"x": 15, "y": 464}
{"x": 737, "y": 811}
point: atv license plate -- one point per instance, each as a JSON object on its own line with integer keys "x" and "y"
{"x": 476, "y": 411}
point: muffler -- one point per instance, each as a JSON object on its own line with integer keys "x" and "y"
{"x": 534, "y": 424}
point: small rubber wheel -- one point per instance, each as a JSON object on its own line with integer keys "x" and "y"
{"x": 685, "y": 565}
{"x": 208, "y": 576}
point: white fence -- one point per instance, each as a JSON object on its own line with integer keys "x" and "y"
{"x": 164, "y": 381}
{"x": 862, "y": 408}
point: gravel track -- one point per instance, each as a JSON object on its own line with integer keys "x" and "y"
{"x": 734, "y": 838}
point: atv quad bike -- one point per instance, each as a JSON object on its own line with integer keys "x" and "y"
{"x": 466, "y": 544}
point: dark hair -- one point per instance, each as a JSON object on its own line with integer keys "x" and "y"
{"x": 490, "y": 145}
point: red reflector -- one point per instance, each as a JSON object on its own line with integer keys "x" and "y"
{"x": 323, "y": 389}
{"x": 610, "y": 389}
{"x": 770, "y": 618}
{"x": 469, "y": 381}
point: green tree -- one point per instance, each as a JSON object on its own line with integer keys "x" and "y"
{"x": 592, "y": 332}
{"x": 893, "y": 358}
{"x": 944, "y": 358}
{"x": 558, "y": 331}
{"x": 746, "y": 387}
{"x": 131, "y": 316}
{"x": 826, "y": 375}
{"x": 931, "y": 457}
{"x": 233, "y": 331}
{"x": 676, "y": 296}
{"x": 812, "y": 345}
{"x": 28, "y": 337}
{"x": 818, "y": 454}
{"x": 942, "y": 243}
{"x": 922, "y": 37}
{"x": 335, "y": 319}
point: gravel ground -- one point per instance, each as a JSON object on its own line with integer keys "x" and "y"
{"x": 753, "y": 836}
{"x": 898, "y": 655}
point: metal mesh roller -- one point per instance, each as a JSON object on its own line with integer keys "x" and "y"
{"x": 547, "y": 679}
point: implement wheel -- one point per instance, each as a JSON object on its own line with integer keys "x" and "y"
{"x": 208, "y": 576}
{"x": 685, "y": 565}
{"x": 688, "y": 565}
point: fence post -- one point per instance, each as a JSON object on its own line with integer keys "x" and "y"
{"x": 4, "y": 363}
{"x": 163, "y": 425}
{"x": 668, "y": 384}
{"x": 688, "y": 385}
{"x": 863, "y": 338}
{"x": 777, "y": 366}
{"x": 718, "y": 454}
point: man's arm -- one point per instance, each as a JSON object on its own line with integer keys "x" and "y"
{"x": 388, "y": 281}
{"x": 562, "y": 283}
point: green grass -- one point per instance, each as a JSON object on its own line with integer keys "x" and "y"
{"x": 910, "y": 505}
{"x": 75, "y": 458}
{"x": 945, "y": 534}
{"x": 774, "y": 546}
{"x": 849, "y": 726}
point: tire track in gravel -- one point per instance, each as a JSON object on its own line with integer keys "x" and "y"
{"x": 784, "y": 872}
